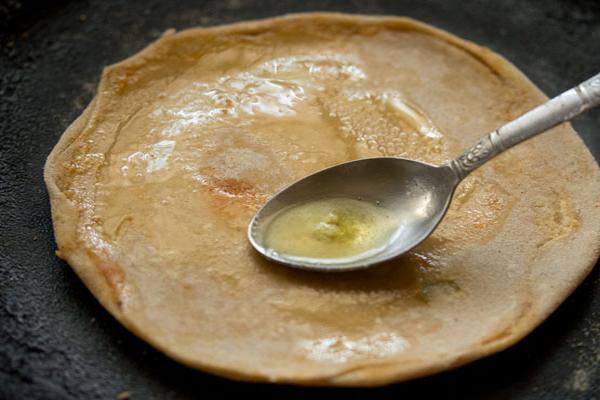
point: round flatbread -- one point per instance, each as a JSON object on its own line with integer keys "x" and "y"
{"x": 153, "y": 185}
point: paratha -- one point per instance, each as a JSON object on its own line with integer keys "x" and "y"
{"x": 153, "y": 185}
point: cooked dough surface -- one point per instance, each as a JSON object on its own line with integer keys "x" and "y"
{"x": 153, "y": 186}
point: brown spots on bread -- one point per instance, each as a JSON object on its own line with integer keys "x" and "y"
{"x": 497, "y": 336}
{"x": 234, "y": 199}
{"x": 232, "y": 187}
{"x": 556, "y": 216}
{"x": 114, "y": 276}
{"x": 478, "y": 211}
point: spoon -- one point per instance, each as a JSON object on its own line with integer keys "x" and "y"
{"x": 419, "y": 193}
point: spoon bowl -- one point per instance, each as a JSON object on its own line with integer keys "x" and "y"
{"x": 417, "y": 193}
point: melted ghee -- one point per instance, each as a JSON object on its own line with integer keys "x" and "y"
{"x": 330, "y": 228}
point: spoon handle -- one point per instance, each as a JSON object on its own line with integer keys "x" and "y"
{"x": 559, "y": 109}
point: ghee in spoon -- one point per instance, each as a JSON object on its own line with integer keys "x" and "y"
{"x": 330, "y": 228}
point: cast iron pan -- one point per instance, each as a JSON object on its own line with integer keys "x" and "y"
{"x": 56, "y": 342}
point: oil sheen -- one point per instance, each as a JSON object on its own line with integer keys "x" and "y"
{"x": 329, "y": 228}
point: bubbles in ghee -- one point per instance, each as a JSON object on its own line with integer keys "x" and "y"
{"x": 329, "y": 228}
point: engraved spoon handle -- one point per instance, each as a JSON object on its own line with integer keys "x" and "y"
{"x": 545, "y": 116}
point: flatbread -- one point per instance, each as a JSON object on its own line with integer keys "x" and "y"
{"x": 153, "y": 185}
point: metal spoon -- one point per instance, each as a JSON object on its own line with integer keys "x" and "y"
{"x": 419, "y": 192}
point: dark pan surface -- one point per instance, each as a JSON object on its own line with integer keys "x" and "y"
{"x": 56, "y": 342}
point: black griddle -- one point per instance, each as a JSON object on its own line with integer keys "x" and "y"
{"x": 57, "y": 342}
